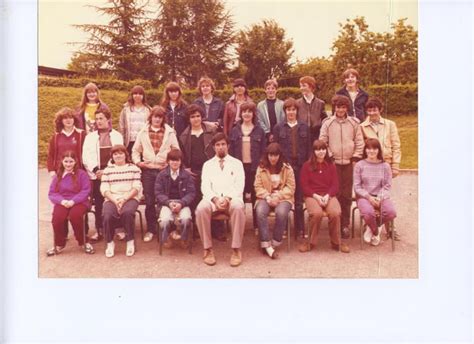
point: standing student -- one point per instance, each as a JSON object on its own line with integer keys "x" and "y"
{"x": 69, "y": 192}
{"x": 196, "y": 145}
{"x": 320, "y": 186}
{"x": 67, "y": 137}
{"x": 372, "y": 184}
{"x": 356, "y": 94}
{"x": 275, "y": 190}
{"x": 270, "y": 110}
{"x": 385, "y": 130}
{"x": 310, "y": 108}
{"x": 175, "y": 107}
{"x": 149, "y": 152}
{"x": 232, "y": 107}
{"x": 175, "y": 193}
{"x": 293, "y": 136}
{"x": 344, "y": 138}
{"x": 247, "y": 143}
{"x": 121, "y": 188}
{"x": 95, "y": 156}
{"x": 223, "y": 181}
{"x": 213, "y": 107}
{"x": 133, "y": 116}
{"x": 88, "y": 107}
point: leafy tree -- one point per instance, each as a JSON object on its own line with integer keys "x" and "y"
{"x": 265, "y": 51}
{"x": 87, "y": 64}
{"x": 380, "y": 57}
{"x": 194, "y": 37}
{"x": 122, "y": 43}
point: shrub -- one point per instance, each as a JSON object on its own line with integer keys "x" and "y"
{"x": 107, "y": 84}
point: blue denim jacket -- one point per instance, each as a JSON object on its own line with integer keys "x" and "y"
{"x": 282, "y": 135}
{"x": 257, "y": 144}
{"x": 177, "y": 118}
{"x": 187, "y": 189}
{"x": 216, "y": 110}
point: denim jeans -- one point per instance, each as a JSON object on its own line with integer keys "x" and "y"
{"x": 167, "y": 218}
{"x": 148, "y": 179}
{"x": 262, "y": 210}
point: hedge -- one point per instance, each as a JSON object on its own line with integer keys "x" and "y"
{"x": 106, "y": 84}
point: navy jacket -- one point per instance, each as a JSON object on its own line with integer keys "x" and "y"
{"x": 177, "y": 118}
{"x": 282, "y": 135}
{"x": 187, "y": 189}
{"x": 358, "y": 110}
{"x": 257, "y": 144}
{"x": 216, "y": 110}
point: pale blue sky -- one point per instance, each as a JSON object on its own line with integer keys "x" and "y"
{"x": 313, "y": 25}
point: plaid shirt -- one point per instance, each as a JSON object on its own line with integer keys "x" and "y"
{"x": 156, "y": 138}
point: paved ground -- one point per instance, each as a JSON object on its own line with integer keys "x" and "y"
{"x": 369, "y": 262}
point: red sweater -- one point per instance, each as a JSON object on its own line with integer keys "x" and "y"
{"x": 60, "y": 143}
{"x": 322, "y": 181}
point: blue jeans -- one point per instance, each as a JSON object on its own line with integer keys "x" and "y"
{"x": 167, "y": 217}
{"x": 148, "y": 179}
{"x": 262, "y": 210}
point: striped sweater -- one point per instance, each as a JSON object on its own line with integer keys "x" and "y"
{"x": 120, "y": 180}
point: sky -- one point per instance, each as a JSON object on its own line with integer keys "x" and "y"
{"x": 312, "y": 24}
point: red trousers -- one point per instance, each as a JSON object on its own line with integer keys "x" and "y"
{"x": 75, "y": 215}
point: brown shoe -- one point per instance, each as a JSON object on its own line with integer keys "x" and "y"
{"x": 305, "y": 247}
{"x": 344, "y": 248}
{"x": 209, "y": 258}
{"x": 236, "y": 258}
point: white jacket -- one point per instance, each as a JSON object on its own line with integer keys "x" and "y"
{"x": 91, "y": 150}
{"x": 144, "y": 147}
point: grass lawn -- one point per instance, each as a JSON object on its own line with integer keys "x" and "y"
{"x": 51, "y": 99}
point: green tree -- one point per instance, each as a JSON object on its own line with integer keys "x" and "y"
{"x": 87, "y": 64}
{"x": 265, "y": 52}
{"x": 194, "y": 37}
{"x": 122, "y": 42}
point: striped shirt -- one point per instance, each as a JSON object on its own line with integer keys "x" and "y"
{"x": 372, "y": 178}
{"x": 120, "y": 180}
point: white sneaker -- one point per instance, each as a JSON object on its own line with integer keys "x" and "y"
{"x": 110, "y": 250}
{"x": 130, "y": 248}
{"x": 367, "y": 235}
{"x": 148, "y": 237}
{"x": 375, "y": 239}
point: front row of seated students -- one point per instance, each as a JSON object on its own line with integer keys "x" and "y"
{"x": 222, "y": 184}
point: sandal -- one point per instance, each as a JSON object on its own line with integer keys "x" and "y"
{"x": 54, "y": 251}
{"x": 88, "y": 248}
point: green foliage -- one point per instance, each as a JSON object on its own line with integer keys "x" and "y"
{"x": 121, "y": 43}
{"x": 194, "y": 37}
{"x": 264, "y": 51}
{"x": 108, "y": 84}
{"x": 408, "y": 131}
{"x": 397, "y": 99}
{"x": 380, "y": 58}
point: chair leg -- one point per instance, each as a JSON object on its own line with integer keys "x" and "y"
{"x": 288, "y": 229}
{"x": 190, "y": 238}
{"x": 353, "y": 221}
{"x": 362, "y": 230}
{"x": 141, "y": 223}
{"x": 160, "y": 241}
{"x": 392, "y": 232}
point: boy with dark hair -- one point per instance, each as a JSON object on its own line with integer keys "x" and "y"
{"x": 175, "y": 193}
{"x": 344, "y": 138}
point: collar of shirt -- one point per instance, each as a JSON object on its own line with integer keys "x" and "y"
{"x": 308, "y": 99}
{"x": 174, "y": 175}
{"x": 291, "y": 125}
{"x": 72, "y": 131}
